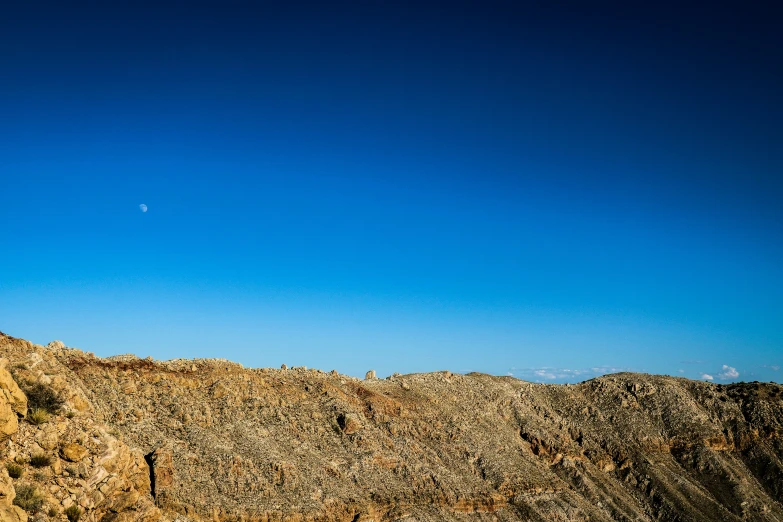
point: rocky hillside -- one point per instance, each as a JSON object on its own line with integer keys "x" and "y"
{"x": 124, "y": 439}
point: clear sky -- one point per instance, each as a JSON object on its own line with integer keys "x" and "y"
{"x": 551, "y": 192}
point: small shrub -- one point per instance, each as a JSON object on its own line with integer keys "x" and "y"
{"x": 73, "y": 513}
{"x": 71, "y": 414}
{"x": 40, "y": 476}
{"x": 14, "y": 470}
{"x": 52, "y": 512}
{"x": 38, "y": 416}
{"x": 28, "y": 498}
{"x": 40, "y": 460}
{"x": 43, "y": 396}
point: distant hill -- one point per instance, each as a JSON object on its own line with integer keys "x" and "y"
{"x": 126, "y": 439}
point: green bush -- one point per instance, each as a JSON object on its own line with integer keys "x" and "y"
{"x": 43, "y": 396}
{"x": 28, "y": 498}
{"x": 73, "y": 513}
{"x": 14, "y": 470}
{"x": 40, "y": 460}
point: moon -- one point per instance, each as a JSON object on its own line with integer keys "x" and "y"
{"x": 143, "y": 207}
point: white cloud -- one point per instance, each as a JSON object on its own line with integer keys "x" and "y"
{"x": 545, "y": 374}
{"x": 563, "y": 375}
{"x": 727, "y": 372}
{"x": 706, "y": 376}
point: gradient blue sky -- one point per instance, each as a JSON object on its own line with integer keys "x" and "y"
{"x": 552, "y": 192}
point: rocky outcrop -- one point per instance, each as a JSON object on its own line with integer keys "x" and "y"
{"x": 13, "y": 402}
{"x": 211, "y": 440}
{"x": 10, "y": 390}
{"x": 11, "y": 513}
{"x": 66, "y": 459}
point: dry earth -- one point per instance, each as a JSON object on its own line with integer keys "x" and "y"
{"x": 144, "y": 440}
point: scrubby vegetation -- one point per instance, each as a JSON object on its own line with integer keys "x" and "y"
{"x": 38, "y": 416}
{"x": 28, "y": 497}
{"x": 15, "y": 471}
{"x": 42, "y": 396}
{"x": 73, "y": 513}
{"x": 40, "y": 460}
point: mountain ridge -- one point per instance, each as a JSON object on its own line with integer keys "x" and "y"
{"x": 208, "y": 439}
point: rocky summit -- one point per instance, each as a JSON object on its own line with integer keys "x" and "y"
{"x": 127, "y": 439}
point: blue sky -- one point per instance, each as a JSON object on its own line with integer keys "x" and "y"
{"x": 553, "y": 192}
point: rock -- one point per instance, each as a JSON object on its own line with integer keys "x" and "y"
{"x": 7, "y": 492}
{"x": 370, "y": 375}
{"x": 8, "y": 421}
{"x": 12, "y": 514}
{"x": 10, "y": 391}
{"x": 47, "y": 437}
{"x": 33, "y": 360}
{"x": 283, "y": 366}
{"x": 162, "y": 463}
{"x": 124, "y": 501}
{"x": 73, "y": 452}
{"x": 56, "y": 345}
{"x": 349, "y": 423}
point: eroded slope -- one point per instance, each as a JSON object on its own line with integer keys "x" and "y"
{"x": 227, "y": 442}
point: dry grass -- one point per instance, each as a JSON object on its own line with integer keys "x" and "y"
{"x": 40, "y": 460}
{"x": 15, "y": 471}
{"x": 38, "y": 416}
{"x": 73, "y": 513}
{"x": 28, "y": 497}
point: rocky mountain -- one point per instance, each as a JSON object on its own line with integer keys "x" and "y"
{"x": 127, "y": 439}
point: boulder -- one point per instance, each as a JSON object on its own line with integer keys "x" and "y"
{"x": 349, "y": 423}
{"x": 10, "y": 391}
{"x": 9, "y": 512}
{"x": 7, "y": 491}
{"x": 12, "y": 514}
{"x": 73, "y": 452}
{"x": 8, "y": 422}
{"x": 370, "y": 375}
{"x": 161, "y": 462}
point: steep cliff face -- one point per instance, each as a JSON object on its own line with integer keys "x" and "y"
{"x": 209, "y": 439}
